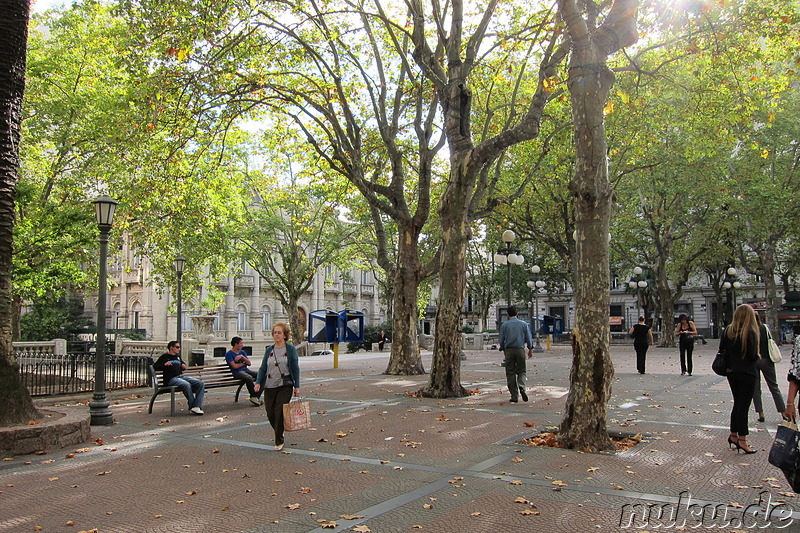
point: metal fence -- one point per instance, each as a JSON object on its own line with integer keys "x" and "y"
{"x": 48, "y": 374}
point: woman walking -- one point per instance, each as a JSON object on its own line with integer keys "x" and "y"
{"x": 642, "y": 339}
{"x": 280, "y": 375}
{"x": 767, "y": 369}
{"x": 739, "y": 343}
{"x": 686, "y": 331}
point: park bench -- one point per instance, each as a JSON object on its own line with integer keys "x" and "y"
{"x": 214, "y": 377}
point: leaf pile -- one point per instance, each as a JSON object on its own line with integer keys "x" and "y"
{"x": 549, "y": 439}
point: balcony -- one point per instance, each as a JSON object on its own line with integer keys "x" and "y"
{"x": 333, "y": 287}
{"x": 133, "y": 276}
{"x": 349, "y": 288}
{"x": 367, "y": 290}
{"x": 245, "y": 281}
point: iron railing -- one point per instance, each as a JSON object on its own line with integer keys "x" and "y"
{"x": 46, "y": 375}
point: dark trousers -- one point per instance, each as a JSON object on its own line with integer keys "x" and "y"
{"x": 686, "y": 349}
{"x": 274, "y": 400}
{"x": 742, "y": 386}
{"x": 641, "y": 355}
{"x": 767, "y": 368}
{"x": 515, "y": 370}
{"x": 249, "y": 378}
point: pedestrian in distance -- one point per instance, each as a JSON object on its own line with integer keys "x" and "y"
{"x": 686, "y": 331}
{"x": 766, "y": 368}
{"x": 642, "y": 339}
{"x": 514, "y": 336}
{"x": 172, "y": 366}
{"x": 383, "y": 340}
{"x": 739, "y": 343}
{"x": 793, "y": 377}
{"x": 279, "y": 376}
{"x": 238, "y": 361}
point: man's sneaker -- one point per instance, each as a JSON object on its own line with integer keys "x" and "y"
{"x": 197, "y": 411}
{"x": 278, "y": 447}
{"x": 254, "y": 400}
{"x": 523, "y": 394}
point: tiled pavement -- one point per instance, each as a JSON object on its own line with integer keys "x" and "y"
{"x": 380, "y": 460}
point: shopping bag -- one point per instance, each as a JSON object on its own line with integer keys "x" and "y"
{"x": 774, "y": 349}
{"x": 785, "y": 453}
{"x": 296, "y": 415}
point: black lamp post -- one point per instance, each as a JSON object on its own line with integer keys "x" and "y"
{"x": 180, "y": 264}
{"x": 638, "y": 284}
{"x": 731, "y": 283}
{"x": 99, "y": 413}
{"x": 535, "y": 285}
{"x": 509, "y": 255}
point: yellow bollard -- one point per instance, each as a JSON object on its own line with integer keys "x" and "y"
{"x": 336, "y": 355}
{"x": 548, "y": 341}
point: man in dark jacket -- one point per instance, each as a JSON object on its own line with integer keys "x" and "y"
{"x": 173, "y": 366}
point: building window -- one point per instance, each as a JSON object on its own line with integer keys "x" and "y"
{"x": 266, "y": 319}
{"x": 136, "y": 310}
{"x": 241, "y": 318}
{"x": 365, "y": 277}
{"x": 116, "y": 319}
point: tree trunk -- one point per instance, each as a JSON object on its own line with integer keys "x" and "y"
{"x": 17, "y": 407}
{"x": 445, "y": 381}
{"x": 293, "y": 311}
{"x": 405, "y": 358}
{"x": 590, "y": 80}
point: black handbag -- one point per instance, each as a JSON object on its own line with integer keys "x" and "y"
{"x": 720, "y": 364}
{"x": 785, "y": 454}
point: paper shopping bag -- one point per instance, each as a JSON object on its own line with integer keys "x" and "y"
{"x": 296, "y": 415}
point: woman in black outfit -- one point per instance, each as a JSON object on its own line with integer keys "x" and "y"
{"x": 642, "y": 339}
{"x": 739, "y": 343}
{"x": 686, "y": 331}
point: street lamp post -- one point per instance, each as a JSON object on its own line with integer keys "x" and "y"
{"x": 509, "y": 255}
{"x": 638, "y": 284}
{"x": 99, "y": 413}
{"x": 180, "y": 264}
{"x": 731, "y": 283}
{"x": 535, "y": 285}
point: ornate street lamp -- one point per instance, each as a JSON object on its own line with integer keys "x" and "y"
{"x": 731, "y": 283}
{"x": 536, "y": 285}
{"x": 509, "y": 255}
{"x": 637, "y": 285}
{"x": 180, "y": 264}
{"x": 99, "y": 413}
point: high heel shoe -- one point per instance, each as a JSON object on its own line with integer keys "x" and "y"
{"x": 741, "y": 446}
{"x": 733, "y": 443}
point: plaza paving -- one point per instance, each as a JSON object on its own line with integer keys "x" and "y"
{"x": 380, "y": 459}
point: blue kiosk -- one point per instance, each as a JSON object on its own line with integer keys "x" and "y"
{"x": 331, "y": 327}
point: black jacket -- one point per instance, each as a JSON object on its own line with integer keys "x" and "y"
{"x": 738, "y": 361}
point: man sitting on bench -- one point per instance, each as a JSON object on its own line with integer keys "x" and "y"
{"x": 237, "y": 359}
{"x": 173, "y": 366}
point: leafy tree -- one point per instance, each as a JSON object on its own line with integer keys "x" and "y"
{"x": 14, "y": 397}
{"x": 53, "y": 317}
{"x": 293, "y": 230}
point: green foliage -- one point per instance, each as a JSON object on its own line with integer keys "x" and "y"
{"x": 53, "y": 317}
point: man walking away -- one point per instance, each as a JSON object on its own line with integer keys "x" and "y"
{"x": 514, "y": 335}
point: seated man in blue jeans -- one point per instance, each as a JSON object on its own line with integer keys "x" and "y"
{"x": 173, "y": 366}
{"x": 237, "y": 359}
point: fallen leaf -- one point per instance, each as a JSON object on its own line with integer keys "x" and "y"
{"x": 362, "y": 529}
{"x": 292, "y": 506}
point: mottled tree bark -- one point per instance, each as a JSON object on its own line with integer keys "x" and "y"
{"x": 405, "y": 358}
{"x": 590, "y": 80}
{"x": 15, "y": 402}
